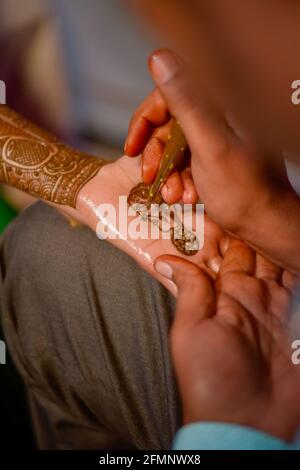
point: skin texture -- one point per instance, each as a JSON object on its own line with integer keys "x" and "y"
{"x": 245, "y": 190}
{"x": 229, "y": 343}
{"x": 148, "y": 133}
{"x": 36, "y": 162}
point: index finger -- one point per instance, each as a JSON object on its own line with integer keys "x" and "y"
{"x": 238, "y": 258}
{"x": 196, "y": 294}
{"x": 153, "y": 112}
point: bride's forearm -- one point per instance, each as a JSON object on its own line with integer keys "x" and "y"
{"x": 37, "y": 163}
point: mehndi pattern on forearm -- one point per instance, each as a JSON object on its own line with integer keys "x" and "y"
{"x": 34, "y": 161}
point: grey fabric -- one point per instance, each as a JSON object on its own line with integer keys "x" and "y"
{"x": 88, "y": 331}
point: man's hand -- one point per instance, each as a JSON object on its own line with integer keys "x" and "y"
{"x": 231, "y": 354}
{"x": 148, "y": 133}
{"x": 245, "y": 190}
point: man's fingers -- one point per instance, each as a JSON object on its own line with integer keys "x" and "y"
{"x": 196, "y": 296}
{"x": 189, "y": 195}
{"x": 238, "y": 258}
{"x": 204, "y": 129}
{"x": 151, "y": 157}
{"x": 153, "y": 152}
{"x": 236, "y": 279}
{"x": 153, "y": 112}
{"x": 138, "y": 137}
{"x": 266, "y": 270}
{"x": 172, "y": 189}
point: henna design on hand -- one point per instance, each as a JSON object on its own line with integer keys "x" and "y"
{"x": 34, "y": 161}
{"x": 184, "y": 240}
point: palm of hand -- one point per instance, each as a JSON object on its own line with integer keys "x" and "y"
{"x": 241, "y": 355}
{"x": 117, "y": 179}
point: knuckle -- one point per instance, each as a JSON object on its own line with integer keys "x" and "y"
{"x": 231, "y": 281}
{"x": 234, "y": 318}
{"x": 235, "y": 282}
{"x": 193, "y": 278}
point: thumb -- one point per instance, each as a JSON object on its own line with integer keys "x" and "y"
{"x": 196, "y": 296}
{"x": 204, "y": 129}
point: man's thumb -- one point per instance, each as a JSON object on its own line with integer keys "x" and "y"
{"x": 196, "y": 296}
{"x": 196, "y": 115}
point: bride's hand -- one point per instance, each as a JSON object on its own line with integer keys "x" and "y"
{"x": 117, "y": 179}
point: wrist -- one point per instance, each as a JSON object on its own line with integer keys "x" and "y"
{"x": 93, "y": 193}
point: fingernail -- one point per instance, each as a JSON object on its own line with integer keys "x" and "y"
{"x": 174, "y": 289}
{"x": 164, "y": 269}
{"x": 215, "y": 263}
{"x": 165, "y": 192}
{"x": 186, "y": 196}
{"x": 224, "y": 245}
{"x": 164, "y": 66}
